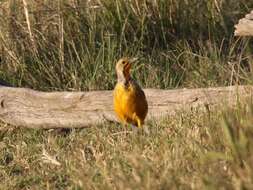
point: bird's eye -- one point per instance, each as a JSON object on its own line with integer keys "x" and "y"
{"x": 123, "y": 62}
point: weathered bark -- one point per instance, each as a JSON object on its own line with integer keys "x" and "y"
{"x": 245, "y": 26}
{"x": 28, "y": 108}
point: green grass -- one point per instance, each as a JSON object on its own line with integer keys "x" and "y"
{"x": 73, "y": 45}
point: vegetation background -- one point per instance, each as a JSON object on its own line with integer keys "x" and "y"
{"x": 73, "y": 45}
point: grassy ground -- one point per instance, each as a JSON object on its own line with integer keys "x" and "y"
{"x": 193, "y": 150}
{"x": 73, "y": 45}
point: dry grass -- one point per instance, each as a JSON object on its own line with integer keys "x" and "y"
{"x": 193, "y": 150}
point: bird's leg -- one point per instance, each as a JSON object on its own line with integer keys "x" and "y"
{"x": 139, "y": 123}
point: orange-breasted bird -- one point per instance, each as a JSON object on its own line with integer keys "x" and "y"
{"x": 130, "y": 103}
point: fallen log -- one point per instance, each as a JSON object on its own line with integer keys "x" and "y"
{"x": 34, "y": 109}
{"x": 245, "y": 26}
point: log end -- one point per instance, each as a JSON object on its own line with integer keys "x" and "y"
{"x": 245, "y": 26}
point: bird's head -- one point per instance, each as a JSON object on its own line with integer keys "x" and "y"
{"x": 123, "y": 67}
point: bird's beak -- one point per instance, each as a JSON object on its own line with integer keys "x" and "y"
{"x": 133, "y": 60}
{"x": 129, "y": 64}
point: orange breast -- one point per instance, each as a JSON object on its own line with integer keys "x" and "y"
{"x": 130, "y": 104}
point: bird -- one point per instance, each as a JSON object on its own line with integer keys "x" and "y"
{"x": 130, "y": 103}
